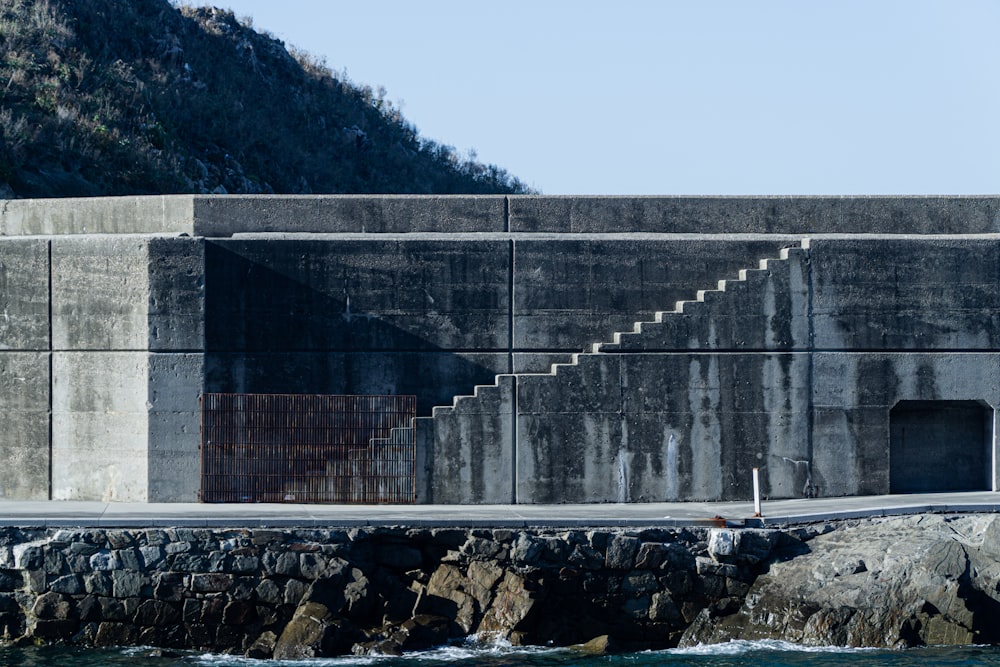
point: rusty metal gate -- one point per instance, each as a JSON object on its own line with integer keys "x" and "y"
{"x": 300, "y": 448}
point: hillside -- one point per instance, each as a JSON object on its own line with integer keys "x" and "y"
{"x": 115, "y": 97}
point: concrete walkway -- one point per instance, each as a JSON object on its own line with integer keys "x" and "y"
{"x": 734, "y": 514}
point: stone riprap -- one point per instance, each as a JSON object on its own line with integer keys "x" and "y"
{"x": 292, "y": 594}
{"x": 296, "y": 593}
{"x": 561, "y": 349}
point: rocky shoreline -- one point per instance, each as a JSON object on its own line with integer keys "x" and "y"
{"x": 290, "y": 594}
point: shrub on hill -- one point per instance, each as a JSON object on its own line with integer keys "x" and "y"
{"x": 114, "y": 97}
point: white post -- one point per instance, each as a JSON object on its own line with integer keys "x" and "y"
{"x": 756, "y": 492}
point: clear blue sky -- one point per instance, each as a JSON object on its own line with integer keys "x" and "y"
{"x": 697, "y": 97}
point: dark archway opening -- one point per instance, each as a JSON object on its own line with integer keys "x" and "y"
{"x": 939, "y": 446}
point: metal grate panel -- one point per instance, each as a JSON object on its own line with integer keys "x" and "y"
{"x": 307, "y": 448}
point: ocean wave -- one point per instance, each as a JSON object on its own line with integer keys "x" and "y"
{"x": 742, "y": 646}
{"x": 470, "y": 648}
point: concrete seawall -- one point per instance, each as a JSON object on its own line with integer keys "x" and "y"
{"x": 561, "y": 349}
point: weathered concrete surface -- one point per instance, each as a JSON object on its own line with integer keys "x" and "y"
{"x": 890, "y": 583}
{"x": 100, "y": 293}
{"x": 100, "y": 426}
{"x": 654, "y": 424}
{"x": 224, "y": 216}
{"x": 215, "y": 216}
{"x": 761, "y": 215}
{"x": 174, "y": 383}
{"x": 698, "y": 439}
{"x": 572, "y": 291}
{"x": 906, "y": 293}
{"x": 176, "y": 313}
{"x": 276, "y": 294}
{"x": 793, "y": 366}
{"x": 98, "y": 215}
{"x": 474, "y": 453}
{"x": 24, "y": 294}
{"x": 24, "y": 425}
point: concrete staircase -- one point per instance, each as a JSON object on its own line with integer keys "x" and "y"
{"x": 688, "y": 326}
{"x": 719, "y": 319}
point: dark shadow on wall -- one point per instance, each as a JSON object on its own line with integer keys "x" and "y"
{"x": 939, "y": 446}
{"x": 289, "y": 318}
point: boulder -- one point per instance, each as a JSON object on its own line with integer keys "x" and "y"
{"x": 511, "y": 606}
{"x": 420, "y": 632}
{"x": 319, "y": 626}
{"x": 263, "y": 646}
{"x": 882, "y": 583}
{"x": 314, "y": 632}
{"x": 603, "y": 645}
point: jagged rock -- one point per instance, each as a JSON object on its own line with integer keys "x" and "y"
{"x": 756, "y": 545}
{"x": 603, "y": 645}
{"x": 621, "y": 552}
{"x": 51, "y": 606}
{"x": 116, "y": 634}
{"x": 313, "y": 632}
{"x": 663, "y": 609}
{"x": 723, "y": 545}
{"x": 893, "y": 582}
{"x": 319, "y": 626}
{"x": 263, "y": 646}
{"x": 527, "y": 550}
{"x": 512, "y": 603}
{"x": 482, "y": 548}
{"x": 345, "y": 592}
{"x": 449, "y": 593}
{"x": 420, "y": 632}
{"x": 156, "y": 612}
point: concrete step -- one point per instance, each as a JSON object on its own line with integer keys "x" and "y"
{"x": 725, "y": 288}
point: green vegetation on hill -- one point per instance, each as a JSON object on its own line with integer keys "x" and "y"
{"x": 114, "y": 97}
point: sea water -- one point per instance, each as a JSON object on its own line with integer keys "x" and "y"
{"x": 779, "y": 654}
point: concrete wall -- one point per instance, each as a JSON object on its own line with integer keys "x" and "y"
{"x": 794, "y": 370}
{"x": 122, "y": 311}
{"x": 24, "y": 369}
{"x": 95, "y": 333}
{"x": 434, "y": 315}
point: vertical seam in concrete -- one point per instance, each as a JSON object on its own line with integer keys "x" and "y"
{"x": 48, "y": 247}
{"x": 513, "y": 441}
{"x": 510, "y": 307}
{"x": 506, "y": 214}
{"x": 810, "y": 416}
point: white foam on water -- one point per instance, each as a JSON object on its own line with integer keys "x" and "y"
{"x": 742, "y": 646}
{"x": 467, "y": 649}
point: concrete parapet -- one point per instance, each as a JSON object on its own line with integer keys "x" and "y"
{"x": 167, "y": 214}
{"x": 222, "y": 216}
{"x": 760, "y": 215}
{"x": 228, "y": 215}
